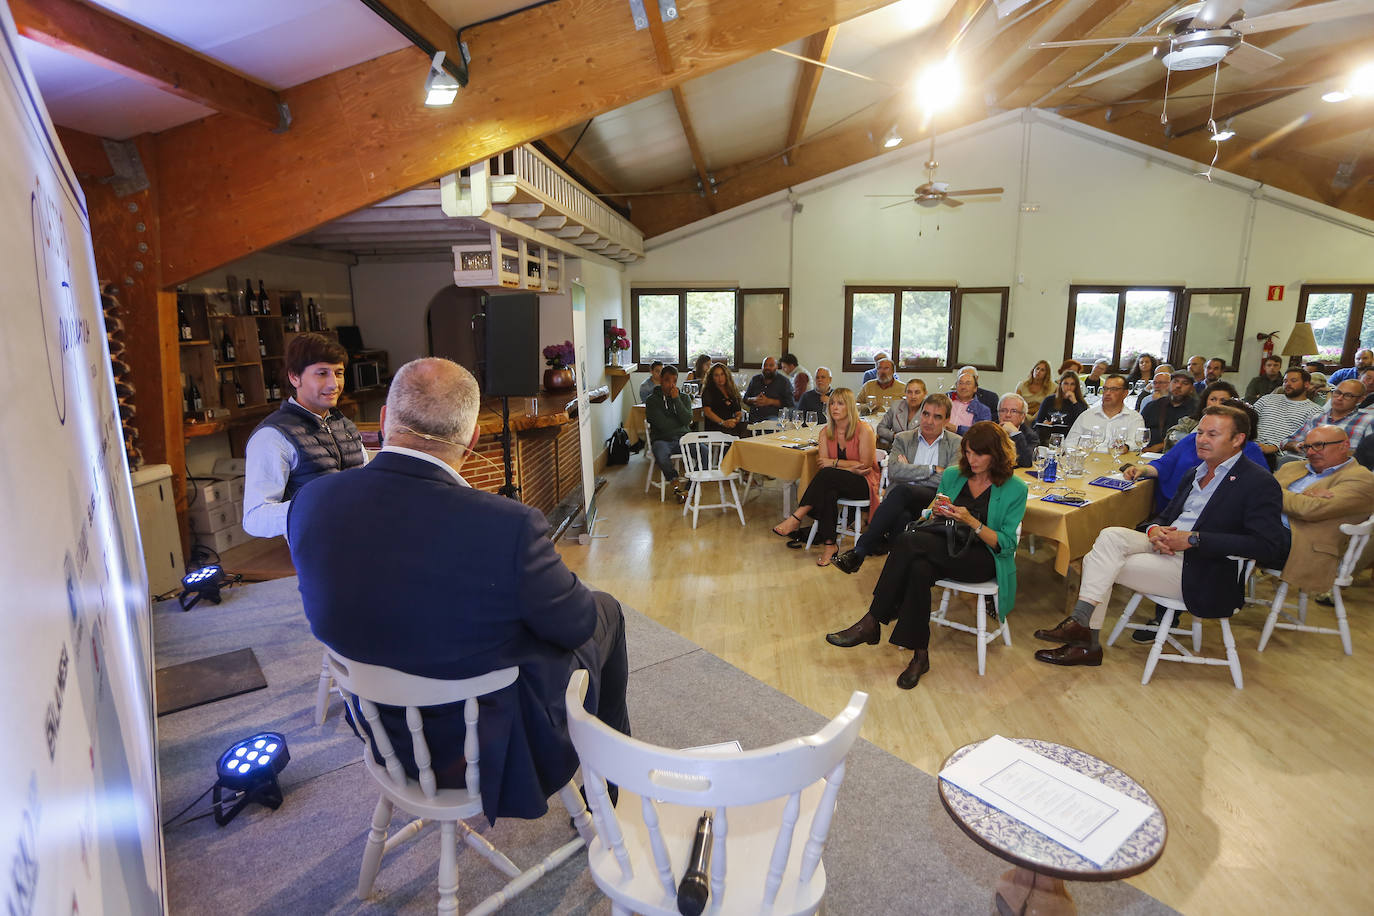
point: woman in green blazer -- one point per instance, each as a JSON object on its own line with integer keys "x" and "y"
{"x": 982, "y": 503}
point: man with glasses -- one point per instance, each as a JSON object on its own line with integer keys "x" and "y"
{"x": 1111, "y": 413}
{"x": 1326, "y": 491}
{"x": 1161, "y": 415}
{"x": 1011, "y": 414}
{"x": 1364, "y": 361}
{"x": 1343, "y": 413}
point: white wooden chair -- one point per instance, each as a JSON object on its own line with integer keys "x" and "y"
{"x": 322, "y": 691}
{"x": 701, "y": 457}
{"x": 764, "y": 428}
{"x": 771, "y": 807}
{"x": 654, "y": 470}
{"x": 1359, "y": 537}
{"x": 372, "y": 685}
{"x": 1166, "y": 632}
{"x": 984, "y": 591}
{"x": 848, "y": 522}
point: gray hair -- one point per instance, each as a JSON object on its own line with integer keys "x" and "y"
{"x": 1010, "y": 396}
{"x": 433, "y": 397}
{"x": 963, "y": 369}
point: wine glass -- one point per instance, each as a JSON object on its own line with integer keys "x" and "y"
{"x": 872, "y": 403}
{"x": 1038, "y": 462}
{"x": 811, "y": 418}
{"x": 1098, "y": 437}
{"x": 1140, "y": 437}
{"x": 1057, "y": 442}
{"x": 1119, "y": 444}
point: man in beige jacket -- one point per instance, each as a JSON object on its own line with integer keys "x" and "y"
{"x": 1319, "y": 495}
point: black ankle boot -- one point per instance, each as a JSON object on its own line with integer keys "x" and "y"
{"x": 866, "y": 631}
{"x": 919, "y": 665}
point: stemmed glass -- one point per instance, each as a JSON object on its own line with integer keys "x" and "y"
{"x": 872, "y": 403}
{"x": 1038, "y": 462}
{"x": 1140, "y": 437}
{"x": 811, "y": 418}
{"x": 1057, "y": 442}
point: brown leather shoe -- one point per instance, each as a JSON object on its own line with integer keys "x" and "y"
{"x": 866, "y": 630}
{"x": 919, "y": 665}
{"x": 1068, "y": 631}
{"x": 1070, "y": 655}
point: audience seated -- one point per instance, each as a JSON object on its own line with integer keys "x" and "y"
{"x": 1367, "y": 380}
{"x": 1161, "y": 415}
{"x": 451, "y": 582}
{"x": 914, "y": 465}
{"x": 668, "y": 411}
{"x": 847, "y": 454}
{"x": 1169, "y": 469}
{"x": 1318, "y": 388}
{"x": 1342, "y": 412}
{"x": 1226, "y": 506}
{"x": 1036, "y": 387}
{"x": 1092, "y": 382}
{"x": 972, "y": 538}
{"x": 1059, "y": 411}
{"x": 768, "y": 392}
{"x": 1070, "y": 365}
{"x": 817, "y": 400}
{"x": 1282, "y": 413}
{"x": 721, "y": 405}
{"x": 1364, "y": 360}
{"x": 1157, "y": 389}
{"x": 647, "y": 386}
{"x": 1143, "y": 369}
{"x": 886, "y": 387}
{"x": 902, "y": 415}
{"x": 1320, "y": 494}
{"x": 871, "y": 374}
{"x": 1215, "y": 369}
{"x": 1197, "y": 368}
{"x": 967, "y": 408}
{"x": 1011, "y": 416}
{"x": 1111, "y": 413}
{"x": 799, "y": 377}
{"x": 1209, "y": 398}
{"x": 989, "y": 398}
{"x": 701, "y": 368}
{"x": 1268, "y": 381}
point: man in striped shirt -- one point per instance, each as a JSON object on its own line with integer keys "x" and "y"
{"x": 1282, "y": 413}
{"x": 1342, "y": 412}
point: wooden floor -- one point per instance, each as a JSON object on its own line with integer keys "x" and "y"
{"x": 1268, "y": 791}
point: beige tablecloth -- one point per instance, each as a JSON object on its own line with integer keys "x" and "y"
{"x": 771, "y": 455}
{"x": 1075, "y": 529}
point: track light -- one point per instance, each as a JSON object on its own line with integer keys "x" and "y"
{"x": 892, "y": 139}
{"x": 440, "y": 88}
{"x": 1335, "y": 95}
{"x": 1223, "y": 133}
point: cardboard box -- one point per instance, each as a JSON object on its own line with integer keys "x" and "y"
{"x": 208, "y": 491}
{"x": 205, "y": 518}
{"x": 223, "y": 539}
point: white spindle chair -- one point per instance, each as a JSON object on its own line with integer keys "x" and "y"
{"x": 772, "y": 810}
{"x": 662, "y": 482}
{"x": 322, "y": 690}
{"x": 764, "y": 428}
{"x": 848, "y": 521}
{"x": 983, "y": 591}
{"x": 702, "y": 454}
{"x": 371, "y": 685}
{"x": 1166, "y": 632}
{"x": 1359, "y": 537}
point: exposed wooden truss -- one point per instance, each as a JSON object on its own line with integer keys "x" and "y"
{"x": 698, "y": 160}
{"x": 817, "y": 47}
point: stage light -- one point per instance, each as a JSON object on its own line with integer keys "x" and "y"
{"x": 938, "y": 86}
{"x": 201, "y": 583}
{"x": 1222, "y": 134}
{"x": 440, "y": 88}
{"x": 892, "y": 138}
{"x": 250, "y": 767}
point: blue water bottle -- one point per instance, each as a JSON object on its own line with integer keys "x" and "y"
{"x": 1051, "y": 470}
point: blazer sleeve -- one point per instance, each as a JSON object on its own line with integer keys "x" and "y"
{"x": 1025, "y": 442}
{"x": 1259, "y": 532}
{"x": 554, "y": 604}
{"x": 887, "y": 426}
{"x": 1013, "y": 493}
{"x": 1353, "y": 494}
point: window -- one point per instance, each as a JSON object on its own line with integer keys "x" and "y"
{"x": 735, "y": 326}
{"x": 1214, "y": 323}
{"x": 921, "y": 326}
{"x": 1118, "y": 323}
{"x": 1341, "y": 320}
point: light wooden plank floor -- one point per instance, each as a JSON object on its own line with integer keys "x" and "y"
{"x": 1267, "y": 790}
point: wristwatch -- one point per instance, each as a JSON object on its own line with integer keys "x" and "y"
{"x": 1194, "y": 539}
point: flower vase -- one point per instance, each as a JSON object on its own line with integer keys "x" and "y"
{"x": 560, "y": 379}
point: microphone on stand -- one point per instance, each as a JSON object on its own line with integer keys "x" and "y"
{"x": 694, "y": 890}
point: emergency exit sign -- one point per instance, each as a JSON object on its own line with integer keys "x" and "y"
{"x": 1276, "y": 294}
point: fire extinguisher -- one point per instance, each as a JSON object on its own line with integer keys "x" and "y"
{"x": 1268, "y": 347}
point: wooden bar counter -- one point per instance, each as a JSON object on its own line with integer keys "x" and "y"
{"x": 545, "y": 448}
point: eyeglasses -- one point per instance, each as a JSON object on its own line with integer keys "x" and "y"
{"x": 1318, "y": 446}
{"x": 1345, "y": 394}
{"x": 1011, "y": 411}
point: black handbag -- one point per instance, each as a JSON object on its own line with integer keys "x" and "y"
{"x": 958, "y": 538}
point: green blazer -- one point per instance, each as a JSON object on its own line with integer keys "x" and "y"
{"x": 1006, "y": 506}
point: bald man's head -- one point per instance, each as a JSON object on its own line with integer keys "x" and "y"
{"x": 434, "y": 398}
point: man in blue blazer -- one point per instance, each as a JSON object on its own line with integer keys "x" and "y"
{"x": 1226, "y": 506}
{"x": 402, "y": 564}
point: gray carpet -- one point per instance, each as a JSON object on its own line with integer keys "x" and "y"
{"x": 892, "y": 848}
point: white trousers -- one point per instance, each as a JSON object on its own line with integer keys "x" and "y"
{"x": 1123, "y": 556}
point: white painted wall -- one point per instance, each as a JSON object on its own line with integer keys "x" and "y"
{"x": 604, "y": 300}
{"x": 1109, "y": 212}
{"x": 391, "y": 300}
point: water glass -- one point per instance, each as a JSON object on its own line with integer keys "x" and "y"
{"x": 811, "y": 418}
{"x": 1038, "y": 462}
{"x": 1057, "y": 442}
{"x": 872, "y": 403}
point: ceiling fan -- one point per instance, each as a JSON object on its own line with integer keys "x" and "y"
{"x": 933, "y": 193}
{"x": 1198, "y": 35}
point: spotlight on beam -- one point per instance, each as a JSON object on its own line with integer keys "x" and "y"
{"x": 440, "y": 88}
{"x": 201, "y": 583}
{"x": 250, "y": 768}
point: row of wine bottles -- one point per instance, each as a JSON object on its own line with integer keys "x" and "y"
{"x": 231, "y": 393}
{"x": 228, "y": 353}
{"x": 259, "y": 304}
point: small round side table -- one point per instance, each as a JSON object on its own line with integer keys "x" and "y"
{"x": 1035, "y": 887}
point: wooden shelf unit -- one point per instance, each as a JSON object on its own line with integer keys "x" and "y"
{"x": 508, "y": 261}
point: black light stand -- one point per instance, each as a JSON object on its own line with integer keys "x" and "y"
{"x": 509, "y": 490}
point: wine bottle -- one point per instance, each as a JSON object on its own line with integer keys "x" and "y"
{"x": 313, "y": 315}
{"x": 262, "y": 344}
{"x": 239, "y": 397}
{"x": 248, "y": 297}
{"x": 226, "y": 347}
{"x": 197, "y": 403}
{"x": 273, "y": 389}
{"x": 183, "y": 324}
{"x": 263, "y": 301}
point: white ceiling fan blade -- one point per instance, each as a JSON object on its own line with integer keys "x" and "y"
{"x": 1321, "y": 12}
{"x": 1113, "y": 71}
{"x": 1214, "y": 14}
{"x": 1085, "y": 42}
{"x": 1252, "y": 59}
{"x": 897, "y": 204}
{"x": 972, "y": 191}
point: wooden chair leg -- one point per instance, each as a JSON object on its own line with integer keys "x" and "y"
{"x": 1232, "y": 659}
{"x": 448, "y": 869}
{"x": 1276, "y": 608}
{"x": 1197, "y": 636}
{"x": 322, "y": 691}
{"x": 1341, "y": 624}
{"x": 372, "y": 852}
{"x": 1125, "y": 617}
{"x": 980, "y": 636}
{"x": 1161, "y": 638}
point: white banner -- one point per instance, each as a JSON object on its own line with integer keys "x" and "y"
{"x": 584, "y": 406}
{"x": 78, "y": 768}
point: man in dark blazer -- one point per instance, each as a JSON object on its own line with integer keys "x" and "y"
{"x": 1226, "y": 506}
{"x": 402, "y": 564}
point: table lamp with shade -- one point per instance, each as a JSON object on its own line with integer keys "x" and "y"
{"x": 1301, "y": 342}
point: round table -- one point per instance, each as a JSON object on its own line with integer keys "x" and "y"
{"x": 1036, "y": 884}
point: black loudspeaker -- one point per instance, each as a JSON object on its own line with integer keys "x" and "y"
{"x": 512, "y": 351}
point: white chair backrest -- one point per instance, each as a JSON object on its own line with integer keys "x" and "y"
{"x": 701, "y": 779}
{"x": 1359, "y": 537}
{"x": 703, "y": 451}
{"x": 374, "y": 684}
{"x": 764, "y": 427}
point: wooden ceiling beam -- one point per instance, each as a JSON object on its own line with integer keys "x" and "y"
{"x": 1352, "y": 116}
{"x": 1044, "y": 58}
{"x": 363, "y": 135}
{"x": 658, "y": 37}
{"x": 817, "y": 47}
{"x": 417, "y": 21}
{"x": 708, "y": 188}
{"x": 91, "y": 34}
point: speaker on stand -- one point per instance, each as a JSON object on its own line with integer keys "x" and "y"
{"x": 510, "y": 369}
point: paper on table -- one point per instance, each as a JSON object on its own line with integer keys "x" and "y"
{"x": 1089, "y": 818}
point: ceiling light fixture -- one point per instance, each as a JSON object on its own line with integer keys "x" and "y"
{"x": 1223, "y": 133}
{"x": 937, "y": 88}
{"x": 892, "y": 139}
{"x": 440, "y": 88}
{"x": 1361, "y": 82}
{"x": 1335, "y": 95}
